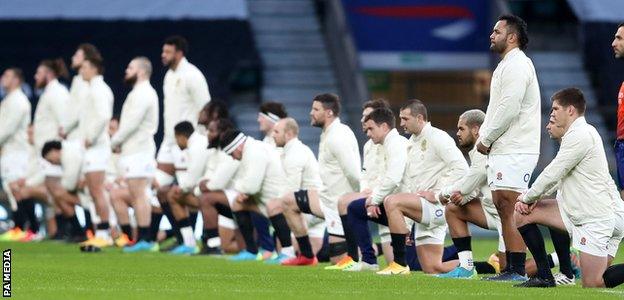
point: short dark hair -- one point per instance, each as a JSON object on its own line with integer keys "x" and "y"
{"x": 376, "y": 103}
{"x": 330, "y": 101}
{"x": 97, "y": 63}
{"x": 416, "y": 108}
{"x": 519, "y": 27}
{"x": 184, "y": 128}
{"x": 178, "y": 42}
{"x": 570, "y": 96}
{"x": 90, "y": 51}
{"x": 57, "y": 66}
{"x": 49, "y": 146}
{"x": 18, "y": 73}
{"x": 275, "y": 108}
{"x": 382, "y": 115}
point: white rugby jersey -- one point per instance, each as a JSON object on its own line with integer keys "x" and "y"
{"x": 225, "y": 169}
{"x": 581, "y": 171}
{"x": 138, "y": 122}
{"x": 301, "y": 167}
{"x": 96, "y": 111}
{"x": 261, "y": 173}
{"x": 219, "y": 170}
{"x": 77, "y": 93}
{"x": 50, "y": 113}
{"x": 14, "y": 120}
{"x": 186, "y": 92}
{"x": 512, "y": 121}
{"x": 395, "y": 151}
{"x": 372, "y": 166}
{"x": 196, "y": 157}
{"x": 433, "y": 161}
{"x": 339, "y": 161}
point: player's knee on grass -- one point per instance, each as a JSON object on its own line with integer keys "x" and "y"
{"x": 595, "y": 281}
{"x": 431, "y": 267}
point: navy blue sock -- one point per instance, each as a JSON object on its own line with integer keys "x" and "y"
{"x": 398, "y": 248}
{"x": 535, "y": 242}
{"x": 411, "y": 257}
{"x": 126, "y": 229}
{"x": 323, "y": 254}
{"x": 193, "y": 219}
{"x": 144, "y": 234}
{"x": 19, "y": 216}
{"x": 358, "y": 221}
{"x": 243, "y": 219}
{"x": 613, "y": 276}
{"x": 30, "y": 214}
{"x": 155, "y": 226}
{"x": 261, "y": 224}
{"x": 282, "y": 231}
{"x": 561, "y": 241}
{"x": 450, "y": 253}
{"x": 174, "y": 224}
{"x": 88, "y": 221}
{"x": 305, "y": 247}
{"x": 352, "y": 248}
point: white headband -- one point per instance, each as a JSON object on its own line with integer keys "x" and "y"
{"x": 271, "y": 116}
{"x": 238, "y": 140}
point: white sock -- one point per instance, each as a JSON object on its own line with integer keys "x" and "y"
{"x": 187, "y": 236}
{"x": 289, "y": 251}
{"x": 465, "y": 260}
{"x": 555, "y": 258}
{"x": 103, "y": 234}
{"x": 214, "y": 242}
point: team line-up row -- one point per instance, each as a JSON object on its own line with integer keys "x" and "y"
{"x": 415, "y": 188}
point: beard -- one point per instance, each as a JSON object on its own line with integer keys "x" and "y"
{"x": 213, "y": 143}
{"x": 317, "y": 123}
{"x": 75, "y": 67}
{"x": 130, "y": 81}
{"x": 167, "y": 63}
{"x": 467, "y": 143}
{"x": 498, "y": 47}
{"x": 41, "y": 84}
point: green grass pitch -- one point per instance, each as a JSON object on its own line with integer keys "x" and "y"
{"x": 50, "y": 270}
